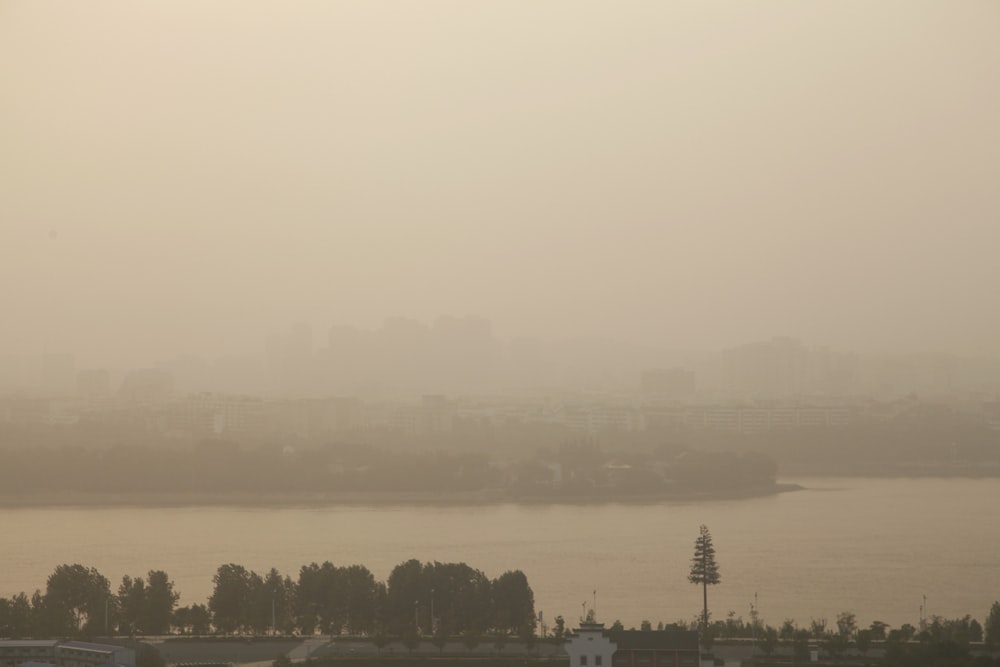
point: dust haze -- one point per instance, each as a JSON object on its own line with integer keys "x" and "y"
{"x": 249, "y": 219}
{"x": 541, "y": 285}
{"x": 191, "y": 178}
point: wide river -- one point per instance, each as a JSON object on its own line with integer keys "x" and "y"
{"x": 871, "y": 546}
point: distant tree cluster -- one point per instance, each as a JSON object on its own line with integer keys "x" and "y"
{"x": 217, "y": 466}
{"x": 220, "y": 466}
{"x": 419, "y": 598}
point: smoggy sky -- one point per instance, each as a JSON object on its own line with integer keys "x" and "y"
{"x": 190, "y": 176}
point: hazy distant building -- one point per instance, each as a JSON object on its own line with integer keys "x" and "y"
{"x": 438, "y": 414}
{"x": 93, "y": 383}
{"x": 291, "y": 363}
{"x": 147, "y": 386}
{"x": 596, "y": 419}
{"x": 774, "y": 368}
{"x": 216, "y": 414}
{"x": 312, "y": 417}
{"x": 58, "y": 373}
{"x": 672, "y": 384}
{"x": 755, "y": 418}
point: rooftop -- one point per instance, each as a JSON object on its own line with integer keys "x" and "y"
{"x": 677, "y": 640}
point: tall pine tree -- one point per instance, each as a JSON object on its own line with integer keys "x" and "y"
{"x": 704, "y": 569}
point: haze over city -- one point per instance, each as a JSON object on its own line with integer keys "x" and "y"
{"x": 189, "y": 178}
{"x": 340, "y": 330}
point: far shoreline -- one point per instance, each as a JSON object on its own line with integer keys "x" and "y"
{"x": 356, "y": 499}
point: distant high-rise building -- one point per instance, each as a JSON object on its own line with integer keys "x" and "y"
{"x": 772, "y": 369}
{"x": 58, "y": 372}
{"x": 147, "y": 386}
{"x": 93, "y": 383}
{"x": 673, "y": 384}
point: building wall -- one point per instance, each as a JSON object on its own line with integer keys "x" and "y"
{"x": 588, "y": 647}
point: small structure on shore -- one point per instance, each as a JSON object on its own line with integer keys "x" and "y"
{"x": 592, "y": 645}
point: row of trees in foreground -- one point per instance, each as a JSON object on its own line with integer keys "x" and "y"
{"x": 841, "y": 636}
{"x": 418, "y": 598}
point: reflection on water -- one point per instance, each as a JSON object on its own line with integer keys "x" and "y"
{"x": 870, "y": 546}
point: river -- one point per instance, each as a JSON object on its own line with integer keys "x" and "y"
{"x": 871, "y": 546}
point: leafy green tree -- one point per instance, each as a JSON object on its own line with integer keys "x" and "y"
{"x": 17, "y": 618}
{"x": 195, "y": 619}
{"x": 132, "y": 606}
{"x": 500, "y": 640}
{"x": 769, "y": 640}
{"x": 314, "y": 596}
{"x": 863, "y": 640}
{"x": 878, "y": 630}
{"x": 646, "y": 626}
{"x": 161, "y": 599}
{"x": 559, "y": 629}
{"x": 975, "y": 631}
{"x": 405, "y": 587}
{"x": 78, "y": 599}
{"x": 704, "y": 569}
{"x": 991, "y": 627}
{"x": 617, "y": 625}
{"x": 902, "y": 634}
{"x": 230, "y": 600}
{"x": 787, "y": 630}
{"x": 359, "y": 600}
{"x": 847, "y": 623}
{"x": 46, "y": 620}
{"x": 513, "y": 603}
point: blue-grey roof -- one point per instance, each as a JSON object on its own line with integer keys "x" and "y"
{"x": 665, "y": 640}
{"x": 29, "y": 643}
{"x": 88, "y": 646}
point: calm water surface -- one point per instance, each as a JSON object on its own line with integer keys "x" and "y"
{"x": 870, "y": 546}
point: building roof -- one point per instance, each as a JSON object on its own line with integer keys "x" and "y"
{"x": 88, "y": 646}
{"x": 651, "y": 640}
{"x": 29, "y": 643}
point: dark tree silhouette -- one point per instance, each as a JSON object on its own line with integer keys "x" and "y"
{"x": 992, "y": 626}
{"x": 704, "y": 569}
{"x": 79, "y": 599}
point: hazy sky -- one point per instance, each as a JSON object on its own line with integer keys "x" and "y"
{"x": 189, "y": 176}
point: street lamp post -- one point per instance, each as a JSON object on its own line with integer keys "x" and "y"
{"x": 433, "y": 625}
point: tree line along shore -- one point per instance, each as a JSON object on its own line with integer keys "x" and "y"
{"x": 418, "y": 599}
